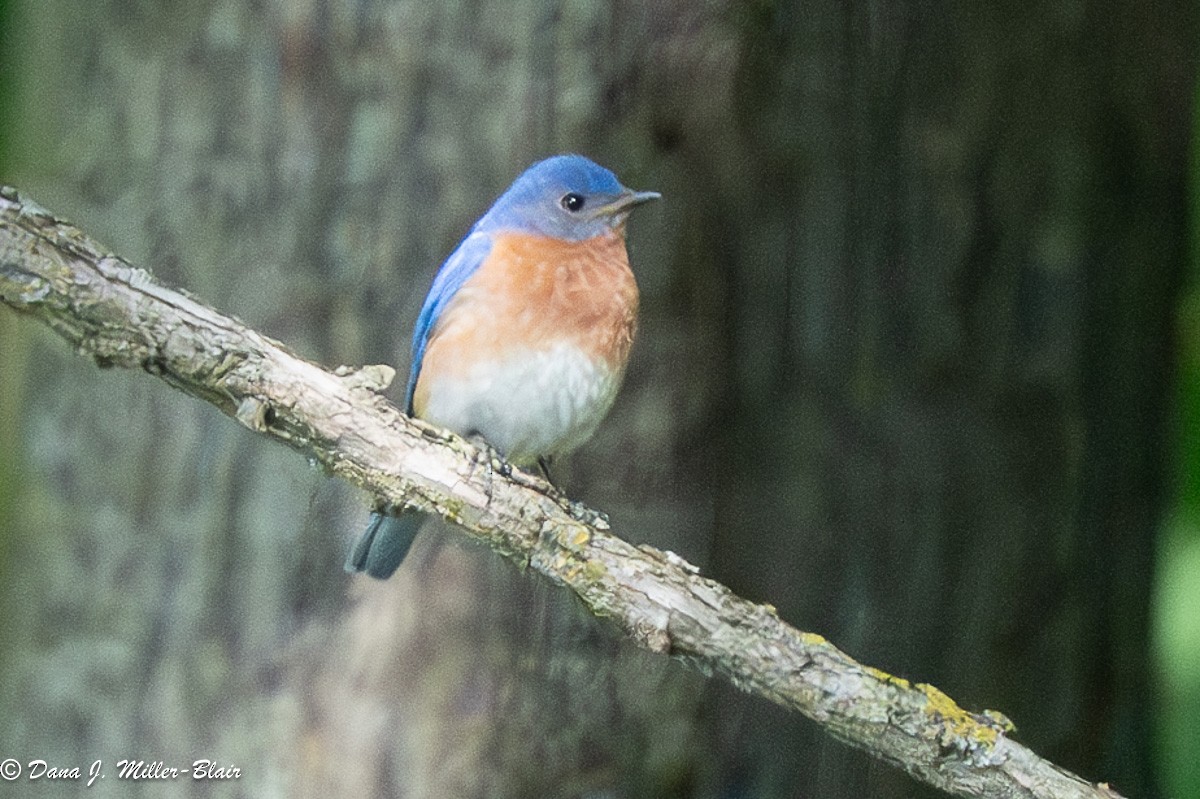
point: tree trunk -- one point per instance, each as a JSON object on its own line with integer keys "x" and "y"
{"x": 306, "y": 167}
{"x": 951, "y": 289}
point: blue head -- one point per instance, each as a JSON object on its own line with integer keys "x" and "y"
{"x": 566, "y": 197}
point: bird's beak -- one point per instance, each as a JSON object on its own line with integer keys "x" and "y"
{"x": 632, "y": 198}
{"x": 620, "y": 205}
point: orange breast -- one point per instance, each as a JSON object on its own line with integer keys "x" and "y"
{"x": 535, "y": 293}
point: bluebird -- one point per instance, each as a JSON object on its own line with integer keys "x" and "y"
{"x": 526, "y": 331}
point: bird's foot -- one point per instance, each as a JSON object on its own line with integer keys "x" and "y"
{"x": 489, "y": 459}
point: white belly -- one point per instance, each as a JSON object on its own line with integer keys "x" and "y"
{"x": 531, "y": 403}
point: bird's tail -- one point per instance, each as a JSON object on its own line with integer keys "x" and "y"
{"x": 381, "y": 548}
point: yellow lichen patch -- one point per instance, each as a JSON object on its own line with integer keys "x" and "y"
{"x": 571, "y": 537}
{"x": 594, "y": 570}
{"x": 812, "y": 639}
{"x": 956, "y": 722}
{"x": 890, "y": 679}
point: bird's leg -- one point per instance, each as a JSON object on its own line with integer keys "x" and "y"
{"x": 490, "y": 458}
{"x": 533, "y": 474}
{"x": 550, "y": 489}
{"x": 546, "y": 484}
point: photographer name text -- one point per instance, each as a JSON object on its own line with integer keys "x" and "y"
{"x": 127, "y": 769}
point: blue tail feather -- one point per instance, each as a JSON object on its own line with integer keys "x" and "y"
{"x": 381, "y": 548}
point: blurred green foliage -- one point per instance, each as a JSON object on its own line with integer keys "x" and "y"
{"x": 7, "y": 89}
{"x": 1178, "y": 597}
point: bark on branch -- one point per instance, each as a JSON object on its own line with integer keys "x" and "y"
{"x": 117, "y": 314}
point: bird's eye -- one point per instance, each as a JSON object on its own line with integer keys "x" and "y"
{"x": 572, "y": 202}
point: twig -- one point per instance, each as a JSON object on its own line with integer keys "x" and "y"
{"x": 117, "y": 314}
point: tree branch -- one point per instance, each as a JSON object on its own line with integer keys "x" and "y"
{"x": 117, "y": 314}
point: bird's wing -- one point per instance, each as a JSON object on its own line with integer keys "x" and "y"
{"x": 461, "y": 264}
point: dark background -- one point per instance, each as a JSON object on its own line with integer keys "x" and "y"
{"x": 917, "y": 365}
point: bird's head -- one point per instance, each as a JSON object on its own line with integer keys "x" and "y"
{"x": 567, "y": 197}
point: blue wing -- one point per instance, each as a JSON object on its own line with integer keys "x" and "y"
{"x": 461, "y": 264}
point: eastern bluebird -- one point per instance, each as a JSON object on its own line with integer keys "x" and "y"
{"x": 526, "y": 331}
